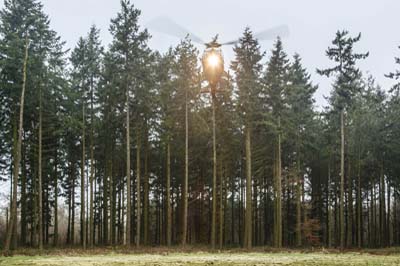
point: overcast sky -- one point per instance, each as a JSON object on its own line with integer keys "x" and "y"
{"x": 312, "y": 24}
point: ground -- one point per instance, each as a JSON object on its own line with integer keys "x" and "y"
{"x": 287, "y": 258}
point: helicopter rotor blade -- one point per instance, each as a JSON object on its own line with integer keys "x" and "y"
{"x": 167, "y": 26}
{"x": 281, "y": 31}
{"x": 230, "y": 42}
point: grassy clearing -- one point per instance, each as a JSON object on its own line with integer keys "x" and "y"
{"x": 206, "y": 258}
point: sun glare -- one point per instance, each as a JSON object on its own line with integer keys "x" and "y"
{"x": 213, "y": 60}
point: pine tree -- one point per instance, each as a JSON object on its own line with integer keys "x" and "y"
{"x": 247, "y": 68}
{"x": 300, "y": 99}
{"x": 345, "y": 87}
{"x": 78, "y": 58}
{"x": 127, "y": 49}
{"x": 276, "y": 87}
{"x": 86, "y": 61}
{"x": 186, "y": 71}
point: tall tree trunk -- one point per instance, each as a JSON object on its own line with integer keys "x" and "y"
{"x": 329, "y": 209}
{"x": 23, "y": 199}
{"x": 55, "y": 199}
{"x": 46, "y": 216}
{"x": 128, "y": 175}
{"x": 395, "y": 222}
{"x": 278, "y": 182}
{"x": 35, "y": 217}
{"x": 374, "y": 223}
{"x": 91, "y": 213}
{"x": 298, "y": 196}
{"x": 40, "y": 190}
{"x": 83, "y": 219}
{"x": 17, "y": 157}
{"x": 122, "y": 234}
{"x": 359, "y": 206}
{"x": 389, "y": 235}
{"x": 168, "y": 192}
{"x": 368, "y": 209}
{"x": 248, "y": 212}
{"x": 221, "y": 208}
{"x": 100, "y": 211}
{"x": 161, "y": 208}
{"x": 350, "y": 206}
{"x": 105, "y": 202}
{"x": 241, "y": 231}
{"x": 73, "y": 205}
{"x": 214, "y": 184}
{"x": 341, "y": 215}
{"x": 382, "y": 208}
{"x": 118, "y": 213}
{"x": 7, "y": 222}
{"x": 146, "y": 189}
{"x": 186, "y": 177}
{"x": 138, "y": 213}
{"x": 233, "y": 209}
{"x": 87, "y": 205}
{"x": 69, "y": 215}
{"x": 112, "y": 203}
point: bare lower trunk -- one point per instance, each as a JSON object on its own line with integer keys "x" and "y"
{"x": 388, "y": 220}
{"x": 214, "y": 184}
{"x": 168, "y": 196}
{"x": 341, "y": 216}
{"x": 350, "y": 206}
{"x": 55, "y": 200}
{"x": 91, "y": 213}
{"x": 72, "y": 238}
{"x": 359, "y": 207}
{"x": 112, "y": 196}
{"x": 329, "y": 209}
{"x": 138, "y": 213}
{"x": 382, "y": 208}
{"x": 106, "y": 188}
{"x": 128, "y": 176}
{"x": 83, "y": 219}
{"x": 40, "y": 174}
{"x": 146, "y": 191}
{"x": 248, "y": 212}
{"x": 23, "y": 199}
{"x": 298, "y": 198}
{"x": 221, "y": 207}
{"x": 278, "y": 183}
{"x": 122, "y": 235}
{"x": 186, "y": 177}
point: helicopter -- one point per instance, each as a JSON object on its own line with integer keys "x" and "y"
{"x": 212, "y": 59}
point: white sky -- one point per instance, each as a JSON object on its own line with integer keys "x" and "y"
{"x": 312, "y": 24}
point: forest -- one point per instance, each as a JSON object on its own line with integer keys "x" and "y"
{"x": 115, "y": 145}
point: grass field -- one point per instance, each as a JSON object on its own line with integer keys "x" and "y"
{"x": 204, "y": 258}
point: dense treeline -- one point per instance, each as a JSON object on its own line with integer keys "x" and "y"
{"x": 113, "y": 145}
